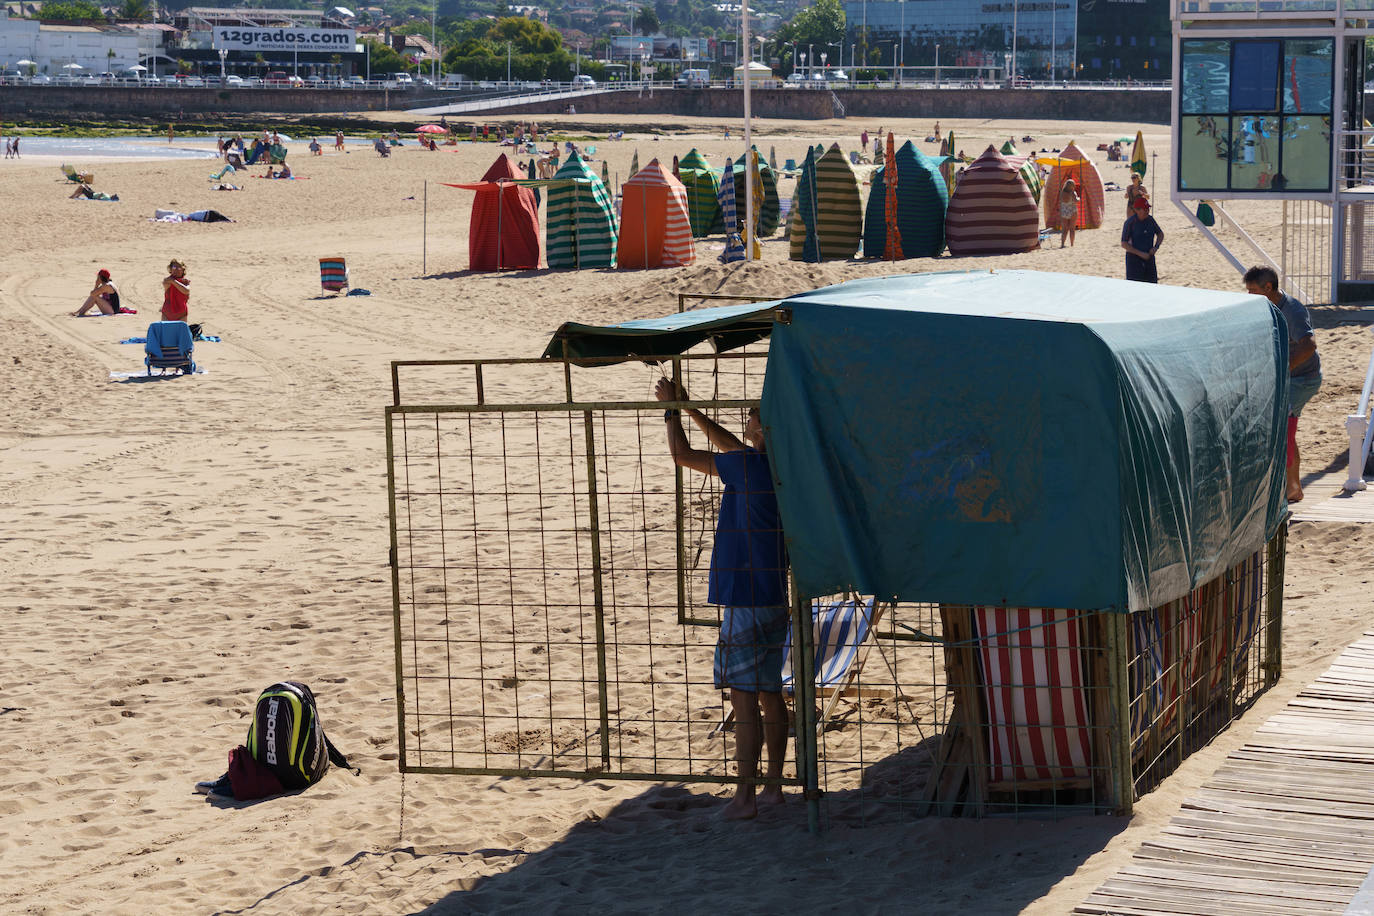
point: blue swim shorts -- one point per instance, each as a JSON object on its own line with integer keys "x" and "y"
{"x": 1300, "y": 391}
{"x": 749, "y": 653}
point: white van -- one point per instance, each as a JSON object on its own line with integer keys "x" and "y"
{"x": 694, "y": 79}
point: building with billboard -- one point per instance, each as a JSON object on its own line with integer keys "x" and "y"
{"x": 250, "y": 41}
{"x": 1121, "y": 39}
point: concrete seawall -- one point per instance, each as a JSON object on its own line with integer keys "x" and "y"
{"x": 1134, "y": 105}
{"x": 116, "y": 101}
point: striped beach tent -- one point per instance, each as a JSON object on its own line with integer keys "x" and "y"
{"x": 734, "y": 245}
{"x": 503, "y": 232}
{"x": 703, "y": 191}
{"x": 634, "y": 164}
{"x": 1091, "y": 204}
{"x": 1026, "y": 165}
{"x": 992, "y": 211}
{"x": 767, "y": 204}
{"x": 581, "y": 230}
{"x": 1035, "y": 690}
{"x": 654, "y": 229}
{"x": 920, "y": 212}
{"x": 827, "y": 221}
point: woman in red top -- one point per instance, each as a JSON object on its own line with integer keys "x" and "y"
{"x": 176, "y": 292}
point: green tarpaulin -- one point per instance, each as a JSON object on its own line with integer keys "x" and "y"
{"x": 921, "y": 204}
{"x": 1043, "y": 440}
{"x": 580, "y": 220}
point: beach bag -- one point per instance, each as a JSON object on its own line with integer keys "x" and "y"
{"x": 286, "y": 737}
{"x": 250, "y": 779}
{"x": 1205, "y": 215}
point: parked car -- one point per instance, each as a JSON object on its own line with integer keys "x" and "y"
{"x": 40, "y": 79}
{"x": 234, "y": 80}
{"x": 837, "y": 76}
{"x": 106, "y": 77}
{"x": 357, "y": 82}
{"x": 694, "y": 79}
{"x": 10, "y": 75}
{"x": 583, "y": 81}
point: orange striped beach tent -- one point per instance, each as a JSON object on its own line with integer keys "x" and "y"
{"x": 1072, "y": 163}
{"x": 992, "y": 211}
{"x": 655, "y": 229}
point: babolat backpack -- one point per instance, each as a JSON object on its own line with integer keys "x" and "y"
{"x": 286, "y": 736}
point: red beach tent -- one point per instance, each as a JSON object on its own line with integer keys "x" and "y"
{"x": 504, "y": 232}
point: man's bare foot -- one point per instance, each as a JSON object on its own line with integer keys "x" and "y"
{"x": 740, "y": 809}
{"x": 1295, "y": 497}
{"x": 770, "y": 796}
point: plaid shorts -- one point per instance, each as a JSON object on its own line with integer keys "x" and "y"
{"x": 749, "y": 652}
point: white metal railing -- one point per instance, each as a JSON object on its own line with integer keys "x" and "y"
{"x": 1360, "y": 430}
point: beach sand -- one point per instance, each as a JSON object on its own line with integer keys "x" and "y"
{"x": 170, "y": 549}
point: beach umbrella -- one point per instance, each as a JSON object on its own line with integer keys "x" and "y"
{"x": 605, "y": 174}
{"x": 136, "y": 68}
{"x": 1125, "y": 139}
{"x": 634, "y": 164}
{"x": 892, "y": 250}
{"x": 947, "y": 167}
{"x": 431, "y": 129}
{"x": 755, "y": 249}
{"x": 734, "y": 245}
{"x": 773, "y": 159}
{"x": 73, "y": 66}
{"x": 26, "y": 63}
{"x": 675, "y": 169}
{"x": 1138, "y": 155}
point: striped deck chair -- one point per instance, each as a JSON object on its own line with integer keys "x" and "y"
{"x": 841, "y": 631}
{"x": 333, "y": 274}
{"x": 1034, "y": 687}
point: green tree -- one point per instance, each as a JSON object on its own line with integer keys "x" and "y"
{"x": 69, "y": 10}
{"x": 384, "y": 60}
{"x": 137, "y": 10}
{"x": 525, "y": 35}
{"x": 821, "y": 23}
{"x": 646, "y": 20}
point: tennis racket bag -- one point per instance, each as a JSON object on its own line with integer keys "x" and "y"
{"x": 287, "y": 738}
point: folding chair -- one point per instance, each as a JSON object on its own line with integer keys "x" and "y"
{"x": 169, "y": 346}
{"x": 77, "y": 177}
{"x": 333, "y": 274}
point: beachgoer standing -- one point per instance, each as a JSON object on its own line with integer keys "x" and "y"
{"x": 748, "y": 579}
{"x": 338, "y": 139}
{"x": 1068, "y": 212}
{"x": 1141, "y": 237}
{"x": 1304, "y": 365}
{"x": 1135, "y": 189}
{"x": 103, "y": 296}
{"x": 176, "y": 292}
{"x": 16, "y": 148}
{"x": 170, "y": 133}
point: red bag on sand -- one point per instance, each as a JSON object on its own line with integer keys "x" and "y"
{"x": 249, "y": 778}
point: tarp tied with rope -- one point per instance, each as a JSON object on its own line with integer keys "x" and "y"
{"x": 914, "y": 459}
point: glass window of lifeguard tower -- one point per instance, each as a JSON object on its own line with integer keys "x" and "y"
{"x": 1269, "y": 106}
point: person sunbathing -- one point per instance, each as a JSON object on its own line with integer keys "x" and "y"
{"x": 103, "y": 296}
{"x": 84, "y": 192}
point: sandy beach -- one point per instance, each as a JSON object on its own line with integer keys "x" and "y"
{"x": 170, "y": 549}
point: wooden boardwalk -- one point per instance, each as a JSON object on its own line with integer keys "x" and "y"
{"x": 1339, "y": 507}
{"x": 1285, "y": 827}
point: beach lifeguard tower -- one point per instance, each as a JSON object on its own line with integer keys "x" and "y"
{"x": 1269, "y": 132}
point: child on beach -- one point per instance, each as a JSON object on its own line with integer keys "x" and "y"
{"x": 1068, "y": 212}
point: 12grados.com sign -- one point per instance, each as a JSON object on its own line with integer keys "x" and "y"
{"x": 240, "y": 38}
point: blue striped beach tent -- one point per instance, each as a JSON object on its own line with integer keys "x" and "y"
{"x": 766, "y": 213}
{"x": 580, "y": 221}
{"x": 734, "y": 245}
{"x": 922, "y": 200}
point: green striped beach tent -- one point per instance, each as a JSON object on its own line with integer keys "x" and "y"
{"x": 768, "y": 215}
{"x": 703, "y": 192}
{"x": 922, "y": 200}
{"x": 1028, "y": 170}
{"x": 580, "y": 228}
{"x": 827, "y": 220}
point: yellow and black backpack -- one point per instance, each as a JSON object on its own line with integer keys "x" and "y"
{"x": 287, "y": 738}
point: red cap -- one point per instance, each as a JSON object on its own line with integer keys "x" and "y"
{"x": 103, "y": 274}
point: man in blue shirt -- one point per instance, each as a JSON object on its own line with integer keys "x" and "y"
{"x": 748, "y": 579}
{"x": 1304, "y": 365}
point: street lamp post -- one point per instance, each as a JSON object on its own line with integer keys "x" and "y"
{"x": 433, "y": 42}
{"x": 508, "y": 65}
{"x": 901, "y": 38}
{"x": 223, "y": 53}
{"x": 1015, "y": 10}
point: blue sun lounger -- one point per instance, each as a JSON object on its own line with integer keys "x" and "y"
{"x": 169, "y": 346}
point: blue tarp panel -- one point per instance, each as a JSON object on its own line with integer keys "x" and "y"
{"x": 1037, "y": 439}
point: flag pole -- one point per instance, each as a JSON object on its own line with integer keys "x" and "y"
{"x": 424, "y": 234}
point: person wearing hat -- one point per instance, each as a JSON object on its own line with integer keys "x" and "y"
{"x": 1141, "y": 237}
{"x": 103, "y": 296}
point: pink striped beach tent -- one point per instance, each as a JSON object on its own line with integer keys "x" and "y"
{"x": 655, "y": 229}
{"x": 992, "y": 211}
{"x": 1091, "y": 202}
